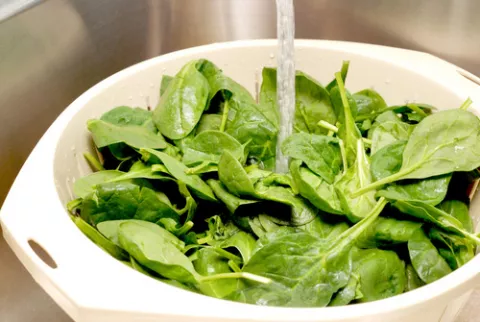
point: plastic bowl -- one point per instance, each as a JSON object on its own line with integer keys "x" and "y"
{"x": 92, "y": 286}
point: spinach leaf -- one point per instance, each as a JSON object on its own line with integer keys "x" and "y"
{"x": 426, "y": 260}
{"x": 209, "y": 146}
{"x": 442, "y": 143}
{"x": 455, "y": 250}
{"x": 222, "y": 84}
{"x": 348, "y": 293}
{"x": 343, "y": 73}
{"x": 320, "y": 153}
{"x": 310, "y": 270}
{"x": 243, "y": 242}
{"x": 181, "y": 106}
{"x": 268, "y": 95}
{"x": 356, "y": 176}
{"x": 150, "y": 249}
{"x": 112, "y": 248}
{"x": 125, "y": 200}
{"x": 110, "y": 229}
{"x": 435, "y": 216}
{"x": 299, "y": 212}
{"x": 459, "y": 210}
{"x": 177, "y": 169}
{"x": 208, "y": 263}
{"x": 348, "y": 131}
{"x": 249, "y": 125}
{"x": 86, "y": 185}
{"x": 369, "y": 102}
{"x": 388, "y": 231}
{"x": 387, "y": 160}
{"x": 381, "y": 274}
{"x": 209, "y": 122}
{"x": 389, "y": 132}
{"x": 236, "y": 206}
{"x": 125, "y": 115}
{"x": 413, "y": 280}
{"x": 234, "y": 176}
{"x": 106, "y": 134}
{"x": 337, "y": 104}
{"x": 321, "y": 229}
{"x": 316, "y": 190}
{"x": 166, "y": 80}
{"x": 312, "y": 104}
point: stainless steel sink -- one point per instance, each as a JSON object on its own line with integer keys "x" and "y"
{"x": 51, "y": 52}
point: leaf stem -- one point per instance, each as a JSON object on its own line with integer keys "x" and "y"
{"x": 381, "y": 182}
{"x": 466, "y": 104}
{"x": 234, "y": 266}
{"x": 245, "y": 275}
{"x": 197, "y": 168}
{"x": 184, "y": 229}
{"x": 74, "y": 204}
{"x": 224, "y": 116}
{"x": 93, "y": 162}
{"x": 328, "y": 126}
{"x": 204, "y": 240}
{"x": 344, "y": 155}
{"x": 367, "y": 141}
{"x": 416, "y": 109}
{"x": 228, "y": 255}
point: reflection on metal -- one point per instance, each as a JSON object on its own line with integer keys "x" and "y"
{"x": 56, "y": 50}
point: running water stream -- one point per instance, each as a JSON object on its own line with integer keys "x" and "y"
{"x": 285, "y": 76}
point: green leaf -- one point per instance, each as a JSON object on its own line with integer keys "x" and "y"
{"x": 316, "y": 190}
{"x": 110, "y": 229}
{"x": 124, "y": 115}
{"x": 243, "y": 242}
{"x": 387, "y": 232}
{"x": 435, "y": 216}
{"x": 181, "y": 106}
{"x": 312, "y": 104}
{"x": 105, "y": 134}
{"x": 369, "y": 102}
{"x": 112, "y": 248}
{"x": 413, "y": 280}
{"x": 249, "y": 125}
{"x": 166, "y": 80}
{"x": 387, "y": 160}
{"x": 442, "y": 143}
{"x": 234, "y": 176}
{"x": 86, "y": 185}
{"x": 209, "y": 146}
{"x": 389, "y": 132}
{"x": 426, "y": 260}
{"x": 177, "y": 169}
{"x": 150, "y": 249}
{"x": 268, "y": 95}
{"x": 310, "y": 270}
{"x": 381, "y": 274}
{"x": 209, "y": 263}
{"x": 320, "y": 153}
{"x": 209, "y": 122}
{"x": 348, "y": 131}
{"x": 343, "y": 73}
{"x": 125, "y": 200}
{"x": 459, "y": 210}
{"x": 356, "y": 176}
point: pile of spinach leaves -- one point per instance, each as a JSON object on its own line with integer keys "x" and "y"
{"x": 375, "y": 203}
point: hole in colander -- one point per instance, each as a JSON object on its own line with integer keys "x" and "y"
{"x": 42, "y": 253}
{"x": 469, "y": 76}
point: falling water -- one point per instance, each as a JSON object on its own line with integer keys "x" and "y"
{"x": 285, "y": 76}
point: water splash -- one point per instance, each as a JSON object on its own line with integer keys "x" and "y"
{"x": 285, "y": 76}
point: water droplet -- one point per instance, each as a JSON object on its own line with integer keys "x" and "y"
{"x": 151, "y": 85}
{"x": 387, "y": 81}
{"x": 164, "y": 70}
{"x": 272, "y": 56}
{"x": 130, "y": 98}
{"x": 72, "y": 148}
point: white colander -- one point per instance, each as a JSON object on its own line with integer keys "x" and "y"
{"x": 92, "y": 286}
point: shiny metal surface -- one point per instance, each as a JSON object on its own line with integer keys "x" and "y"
{"x": 53, "y": 52}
